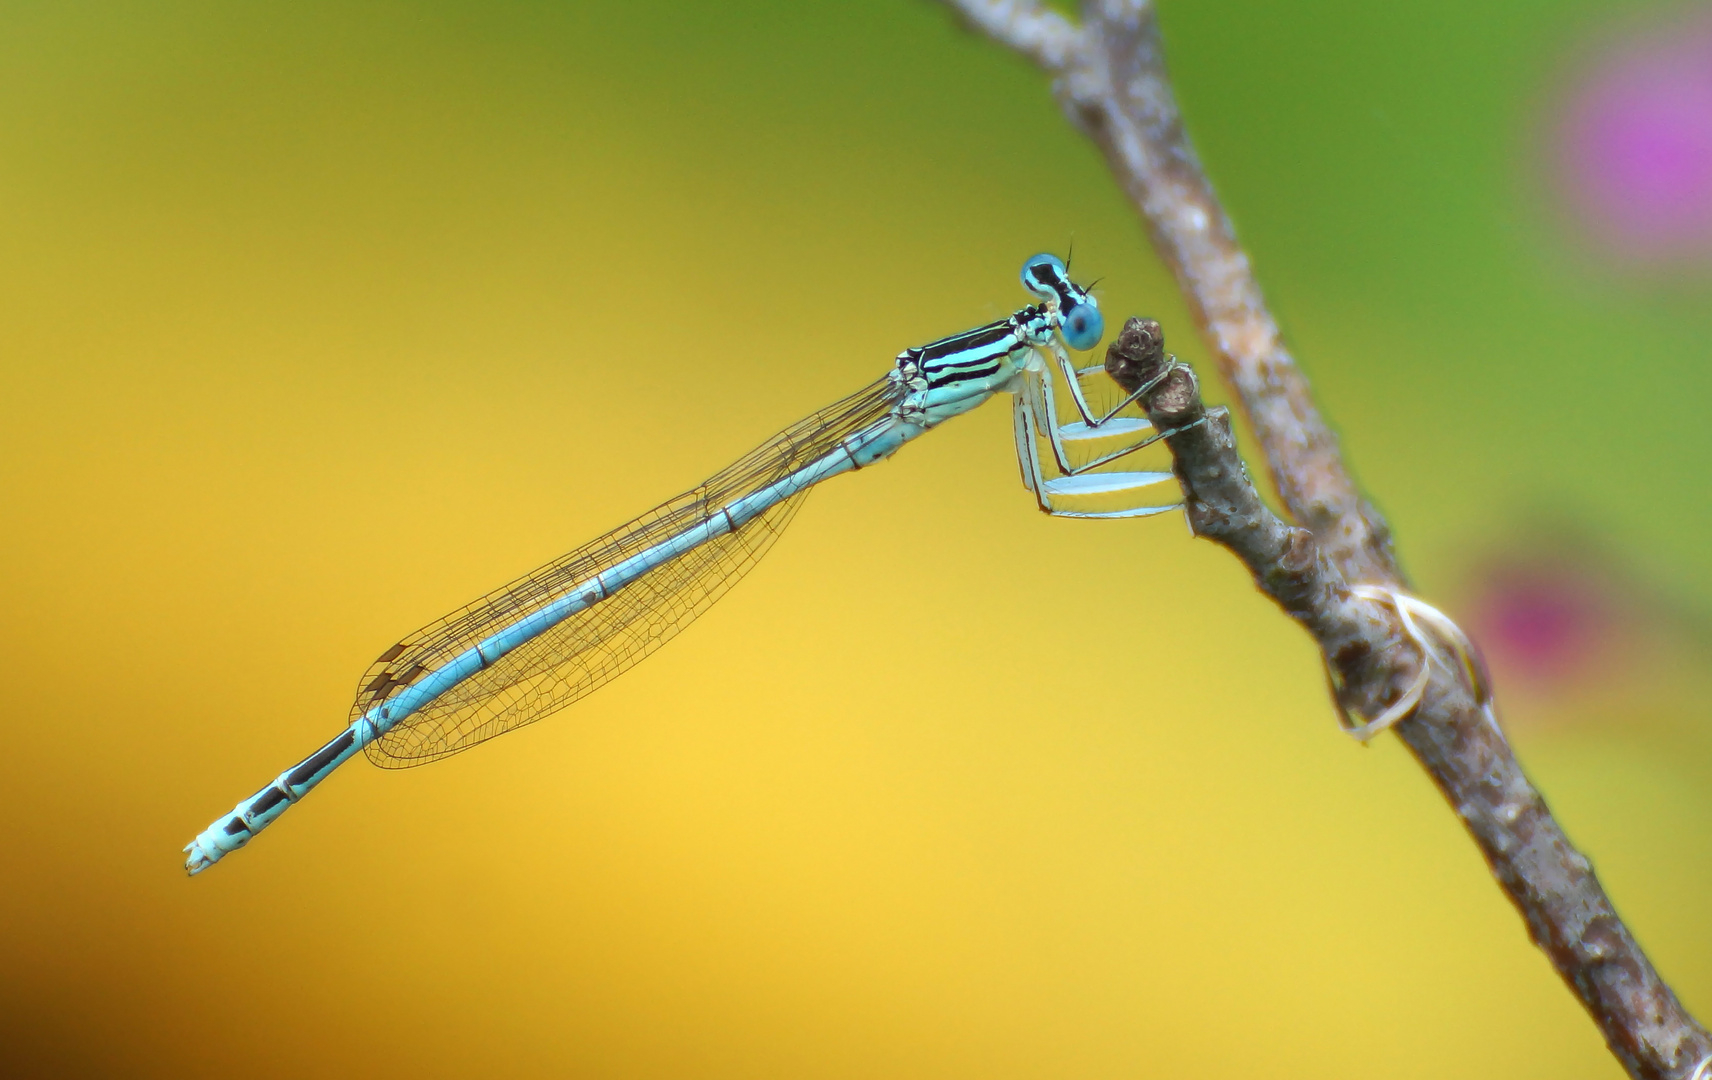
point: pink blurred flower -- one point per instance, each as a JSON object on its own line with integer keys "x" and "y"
{"x": 1635, "y": 142}
{"x": 1576, "y": 630}
{"x": 1551, "y": 623}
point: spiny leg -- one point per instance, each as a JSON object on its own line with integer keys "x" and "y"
{"x": 1073, "y": 378}
{"x": 1028, "y": 459}
{"x": 1028, "y": 443}
{"x": 1038, "y": 391}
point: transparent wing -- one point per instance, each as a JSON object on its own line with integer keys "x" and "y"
{"x": 591, "y": 647}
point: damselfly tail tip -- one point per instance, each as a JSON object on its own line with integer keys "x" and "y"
{"x": 198, "y": 860}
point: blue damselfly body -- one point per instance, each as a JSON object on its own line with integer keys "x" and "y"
{"x": 551, "y": 637}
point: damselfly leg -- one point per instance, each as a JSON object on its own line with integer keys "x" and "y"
{"x": 1128, "y": 433}
{"x": 1074, "y": 486}
{"x": 1074, "y": 375}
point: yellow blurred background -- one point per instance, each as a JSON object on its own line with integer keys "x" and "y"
{"x": 318, "y": 321}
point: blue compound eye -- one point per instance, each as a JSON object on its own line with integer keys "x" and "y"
{"x": 1083, "y": 325}
{"x": 1043, "y": 274}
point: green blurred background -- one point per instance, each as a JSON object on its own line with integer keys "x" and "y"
{"x": 319, "y": 320}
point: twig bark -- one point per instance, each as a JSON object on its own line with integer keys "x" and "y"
{"x": 1109, "y": 75}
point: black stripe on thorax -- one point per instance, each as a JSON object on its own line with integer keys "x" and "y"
{"x": 979, "y": 341}
{"x": 961, "y": 375}
{"x": 966, "y": 357}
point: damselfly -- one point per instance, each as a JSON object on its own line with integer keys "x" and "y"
{"x": 550, "y": 637}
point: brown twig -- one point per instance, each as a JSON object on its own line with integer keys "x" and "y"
{"x": 1109, "y": 74}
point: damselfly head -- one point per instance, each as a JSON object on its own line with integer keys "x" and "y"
{"x": 1079, "y": 313}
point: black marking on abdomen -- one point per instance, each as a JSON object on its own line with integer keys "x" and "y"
{"x": 236, "y": 826}
{"x": 269, "y": 798}
{"x": 321, "y": 759}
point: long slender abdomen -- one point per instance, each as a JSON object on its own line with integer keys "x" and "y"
{"x": 251, "y": 816}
